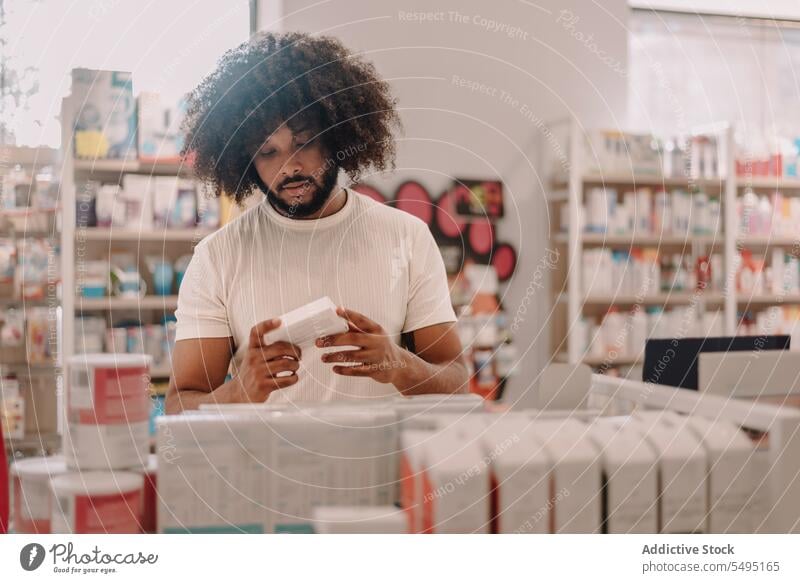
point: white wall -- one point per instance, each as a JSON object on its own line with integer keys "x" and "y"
{"x": 564, "y": 57}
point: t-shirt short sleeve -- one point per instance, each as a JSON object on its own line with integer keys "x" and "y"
{"x": 429, "y": 296}
{"x": 201, "y": 309}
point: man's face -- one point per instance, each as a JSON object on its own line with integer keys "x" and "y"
{"x": 292, "y": 166}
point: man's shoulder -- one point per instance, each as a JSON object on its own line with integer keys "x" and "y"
{"x": 236, "y": 231}
{"x": 382, "y": 215}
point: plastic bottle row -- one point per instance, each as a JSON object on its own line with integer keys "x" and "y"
{"x": 647, "y": 271}
{"x": 772, "y": 320}
{"x": 768, "y": 215}
{"x": 648, "y": 212}
{"x": 612, "y": 151}
{"x": 780, "y": 277}
{"x": 621, "y": 334}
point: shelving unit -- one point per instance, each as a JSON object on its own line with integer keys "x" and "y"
{"x": 158, "y": 235}
{"x": 100, "y": 242}
{"x": 36, "y": 377}
{"x": 569, "y": 187}
{"x": 661, "y": 299}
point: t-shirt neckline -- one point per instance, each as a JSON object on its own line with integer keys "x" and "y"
{"x": 311, "y": 224}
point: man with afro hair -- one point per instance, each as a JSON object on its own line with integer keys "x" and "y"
{"x": 281, "y": 117}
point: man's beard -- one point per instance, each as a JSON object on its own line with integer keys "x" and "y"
{"x": 321, "y": 190}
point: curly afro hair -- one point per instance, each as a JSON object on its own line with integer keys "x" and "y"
{"x": 293, "y": 79}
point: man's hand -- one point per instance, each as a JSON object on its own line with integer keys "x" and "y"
{"x": 263, "y": 363}
{"x": 375, "y": 354}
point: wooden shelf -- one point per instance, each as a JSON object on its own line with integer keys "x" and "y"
{"x": 775, "y": 182}
{"x": 132, "y": 167}
{"x": 602, "y": 239}
{"x": 767, "y": 241}
{"x": 115, "y": 303}
{"x": 767, "y": 299}
{"x": 30, "y": 157}
{"x": 158, "y": 234}
{"x": 672, "y": 298}
{"x": 27, "y": 303}
{"x": 601, "y": 361}
{"x": 48, "y": 442}
{"x": 612, "y": 178}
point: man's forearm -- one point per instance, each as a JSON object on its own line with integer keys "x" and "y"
{"x": 419, "y": 377}
{"x": 188, "y": 399}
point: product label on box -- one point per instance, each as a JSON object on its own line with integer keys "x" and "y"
{"x": 111, "y": 513}
{"x": 205, "y": 484}
{"x": 108, "y": 446}
{"x": 33, "y": 498}
{"x": 114, "y": 396}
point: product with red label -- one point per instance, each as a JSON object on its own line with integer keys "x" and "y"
{"x": 31, "y": 487}
{"x": 150, "y": 500}
{"x": 97, "y": 503}
{"x": 107, "y": 411}
{"x": 3, "y": 486}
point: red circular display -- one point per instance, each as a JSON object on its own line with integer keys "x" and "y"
{"x": 504, "y": 260}
{"x": 414, "y": 199}
{"x": 481, "y": 237}
{"x": 446, "y": 218}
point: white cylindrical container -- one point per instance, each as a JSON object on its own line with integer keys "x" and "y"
{"x": 97, "y": 503}
{"x": 107, "y": 411}
{"x": 31, "y": 491}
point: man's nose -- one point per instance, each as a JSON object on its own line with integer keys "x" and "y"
{"x": 293, "y": 166}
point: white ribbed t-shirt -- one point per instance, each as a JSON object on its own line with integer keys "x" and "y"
{"x": 369, "y": 257}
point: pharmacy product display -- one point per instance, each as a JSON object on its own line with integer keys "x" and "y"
{"x": 622, "y": 334}
{"x": 28, "y": 191}
{"x": 614, "y": 152}
{"x": 646, "y": 211}
{"x": 776, "y": 273}
{"x": 28, "y": 268}
{"x": 12, "y": 407}
{"x": 105, "y": 480}
{"x": 640, "y": 221}
{"x": 107, "y": 411}
{"x": 772, "y": 275}
{"x": 31, "y": 492}
{"x": 762, "y": 156}
{"x": 767, "y": 215}
{"x": 642, "y": 272}
{"x": 105, "y": 119}
{"x": 143, "y": 202}
{"x": 460, "y": 468}
{"x": 30, "y": 292}
{"x": 484, "y": 328}
{"x": 454, "y": 463}
{"x": 96, "y": 503}
{"x": 771, "y": 320}
{"x": 132, "y": 213}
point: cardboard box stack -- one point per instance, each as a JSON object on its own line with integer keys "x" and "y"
{"x": 452, "y": 466}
